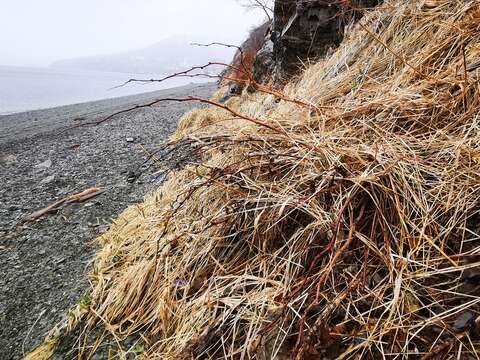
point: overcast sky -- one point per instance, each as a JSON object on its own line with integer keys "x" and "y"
{"x": 37, "y": 32}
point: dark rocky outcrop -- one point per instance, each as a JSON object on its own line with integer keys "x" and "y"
{"x": 304, "y": 30}
{"x": 301, "y": 31}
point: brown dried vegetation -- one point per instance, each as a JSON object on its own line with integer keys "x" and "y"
{"x": 351, "y": 231}
{"x": 241, "y": 69}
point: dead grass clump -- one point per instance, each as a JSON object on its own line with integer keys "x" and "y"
{"x": 351, "y": 232}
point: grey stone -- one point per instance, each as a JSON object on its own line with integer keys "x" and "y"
{"x": 44, "y": 165}
{"x": 464, "y": 320}
{"x": 48, "y": 180}
{"x": 8, "y": 159}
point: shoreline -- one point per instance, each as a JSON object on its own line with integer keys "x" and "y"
{"x": 43, "y": 159}
{"x": 27, "y": 123}
{"x": 105, "y": 99}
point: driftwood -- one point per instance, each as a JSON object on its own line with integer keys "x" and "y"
{"x": 80, "y": 197}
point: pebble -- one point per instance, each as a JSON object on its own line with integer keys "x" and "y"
{"x": 471, "y": 276}
{"x": 8, "y": 159}
{"x": 48, "y": 180}
{"x": 44, "y": 165}
{"x": 465, "y": 320}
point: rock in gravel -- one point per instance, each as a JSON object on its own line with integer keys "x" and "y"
{"x": 44, "y": 165}
{"x": 8, "y": 159}
{"x": 48, "y": 180}
{"x": 13, "y": 208}
{"x": 464, "y": 321}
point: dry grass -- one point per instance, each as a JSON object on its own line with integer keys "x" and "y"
{"x": 351, "y": 232}
{"x": 46, "y": 350}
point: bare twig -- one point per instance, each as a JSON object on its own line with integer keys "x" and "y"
{"x": 80, "y": 197}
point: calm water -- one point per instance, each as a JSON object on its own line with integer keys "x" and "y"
{"x": 23, "y": 89}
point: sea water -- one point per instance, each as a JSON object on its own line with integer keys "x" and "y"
{"x": 23, "y": 88}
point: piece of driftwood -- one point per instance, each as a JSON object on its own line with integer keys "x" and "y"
{"x": 80, "y": 197}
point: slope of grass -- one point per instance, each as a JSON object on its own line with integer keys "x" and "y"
{"x": 348, "y": 227}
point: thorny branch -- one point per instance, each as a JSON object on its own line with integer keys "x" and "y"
{"x": 249, "y": 82}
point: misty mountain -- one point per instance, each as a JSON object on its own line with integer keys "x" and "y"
{"x": 165, "y": 57}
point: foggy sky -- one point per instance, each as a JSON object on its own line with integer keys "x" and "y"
{"x": 38, "y": 32}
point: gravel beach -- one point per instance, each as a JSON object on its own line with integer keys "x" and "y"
{"x": 43, "y": 158}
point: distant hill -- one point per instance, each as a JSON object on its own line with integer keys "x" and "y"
{"x": 165, "y": 57}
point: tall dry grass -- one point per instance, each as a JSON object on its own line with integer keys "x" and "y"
{"x": 349, "y": 232}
